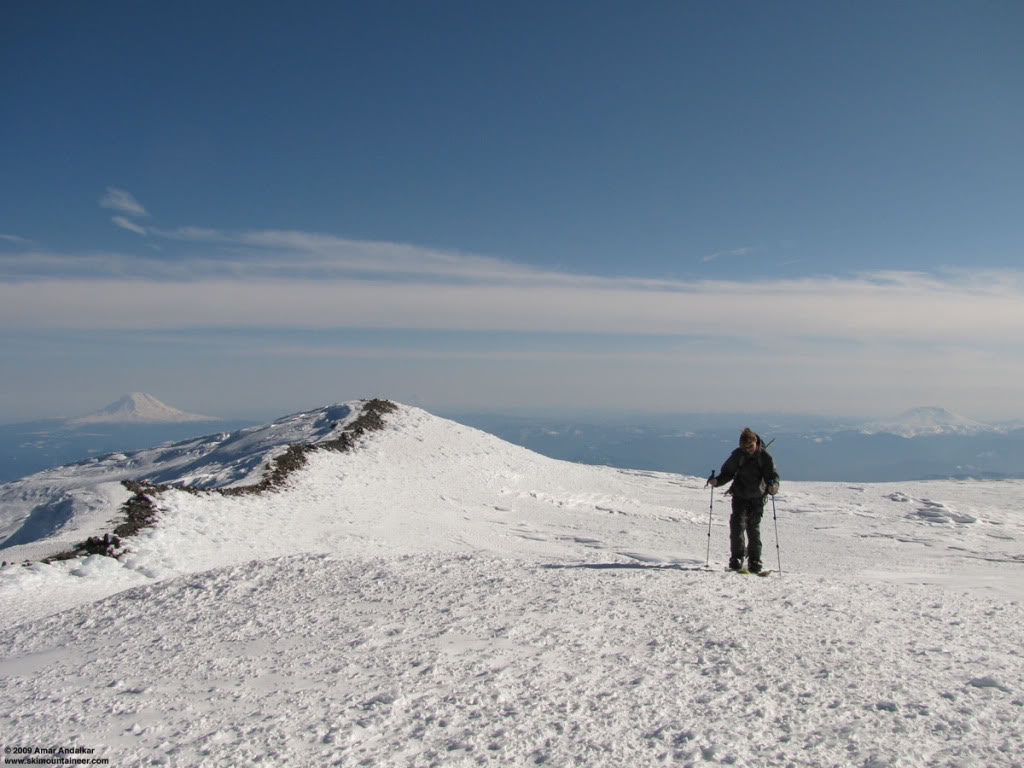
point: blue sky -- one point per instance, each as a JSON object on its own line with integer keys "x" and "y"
{"x": 259, "y": 207}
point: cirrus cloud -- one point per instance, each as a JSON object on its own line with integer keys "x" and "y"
{"x": 123, "y": 201}
{"x": 304, "y": 279}
{"x": 873, "y": 307}
{"x": 128, "y": 224}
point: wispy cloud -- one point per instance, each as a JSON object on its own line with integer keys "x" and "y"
{"x": 732, "y": 252}
{"x": 211, "y": 278}
{"x": 903, "y": 308}
{"x": 385, "y": 259}
{"x": 128, "y": 224}
{"x": 123, "y": 201}
{"x": 196, "y": 234}
{"x": 266, "y": 254}
{"x": 14, "y": 239}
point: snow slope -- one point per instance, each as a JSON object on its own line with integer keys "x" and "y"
{"x": 440, "y": 597}
{"x": 57, "y": 507}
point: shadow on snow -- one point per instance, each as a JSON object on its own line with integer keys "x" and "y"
{"x": 632, "y": 566}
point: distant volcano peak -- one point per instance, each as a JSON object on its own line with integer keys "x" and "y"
{"x": 927, "y": 420}
{"x": 138, "y": 408}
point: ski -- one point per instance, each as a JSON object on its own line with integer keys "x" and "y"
{"x": 745, "y": 572}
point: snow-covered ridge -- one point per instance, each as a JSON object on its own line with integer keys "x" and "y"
{"x": 927, "y": 420}
{"x": 138, "y": 408}
{"x": 62, "y": 506}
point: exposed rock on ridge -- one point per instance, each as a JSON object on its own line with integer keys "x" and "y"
{"x": 140, "y": 511}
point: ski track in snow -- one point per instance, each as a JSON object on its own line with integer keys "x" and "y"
{"x": 439, "y": 597}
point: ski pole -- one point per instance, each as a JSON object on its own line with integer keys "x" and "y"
{"x": 711, "y": 507}
{"x": 778, "y": 552}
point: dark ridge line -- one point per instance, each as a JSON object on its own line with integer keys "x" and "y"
{"x": 141, "y": 512}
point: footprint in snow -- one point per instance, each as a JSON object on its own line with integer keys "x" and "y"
{"x": 988, "y": 682}
{"x": 941, "y": 515}
{"x": 529, "y": 535}
{"x": 582, "y": 540}
{"x": 640, "y": 557}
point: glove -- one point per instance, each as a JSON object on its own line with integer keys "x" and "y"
{"x": 773, "y": 489}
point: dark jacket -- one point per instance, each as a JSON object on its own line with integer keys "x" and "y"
{"x": 751, "y": 475}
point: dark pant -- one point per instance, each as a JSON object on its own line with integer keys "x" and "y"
{"x": 746, "y": 519}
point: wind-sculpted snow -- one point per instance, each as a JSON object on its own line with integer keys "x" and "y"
{"x": 436, "y": 596}
{"x": 55, "y": 511}
{"x": 465, "y": 659}
{"x": 44, "y": 520}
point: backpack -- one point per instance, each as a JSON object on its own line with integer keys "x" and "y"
{"x": 758, "y": 454}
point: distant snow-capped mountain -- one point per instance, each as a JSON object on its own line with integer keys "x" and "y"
{"x": 927, "y": 420}
{"x": 138, "y": 408}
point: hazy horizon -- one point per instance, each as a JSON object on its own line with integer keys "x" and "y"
{"x": 600, "y": 414}
{"x": 809, "y": 447}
